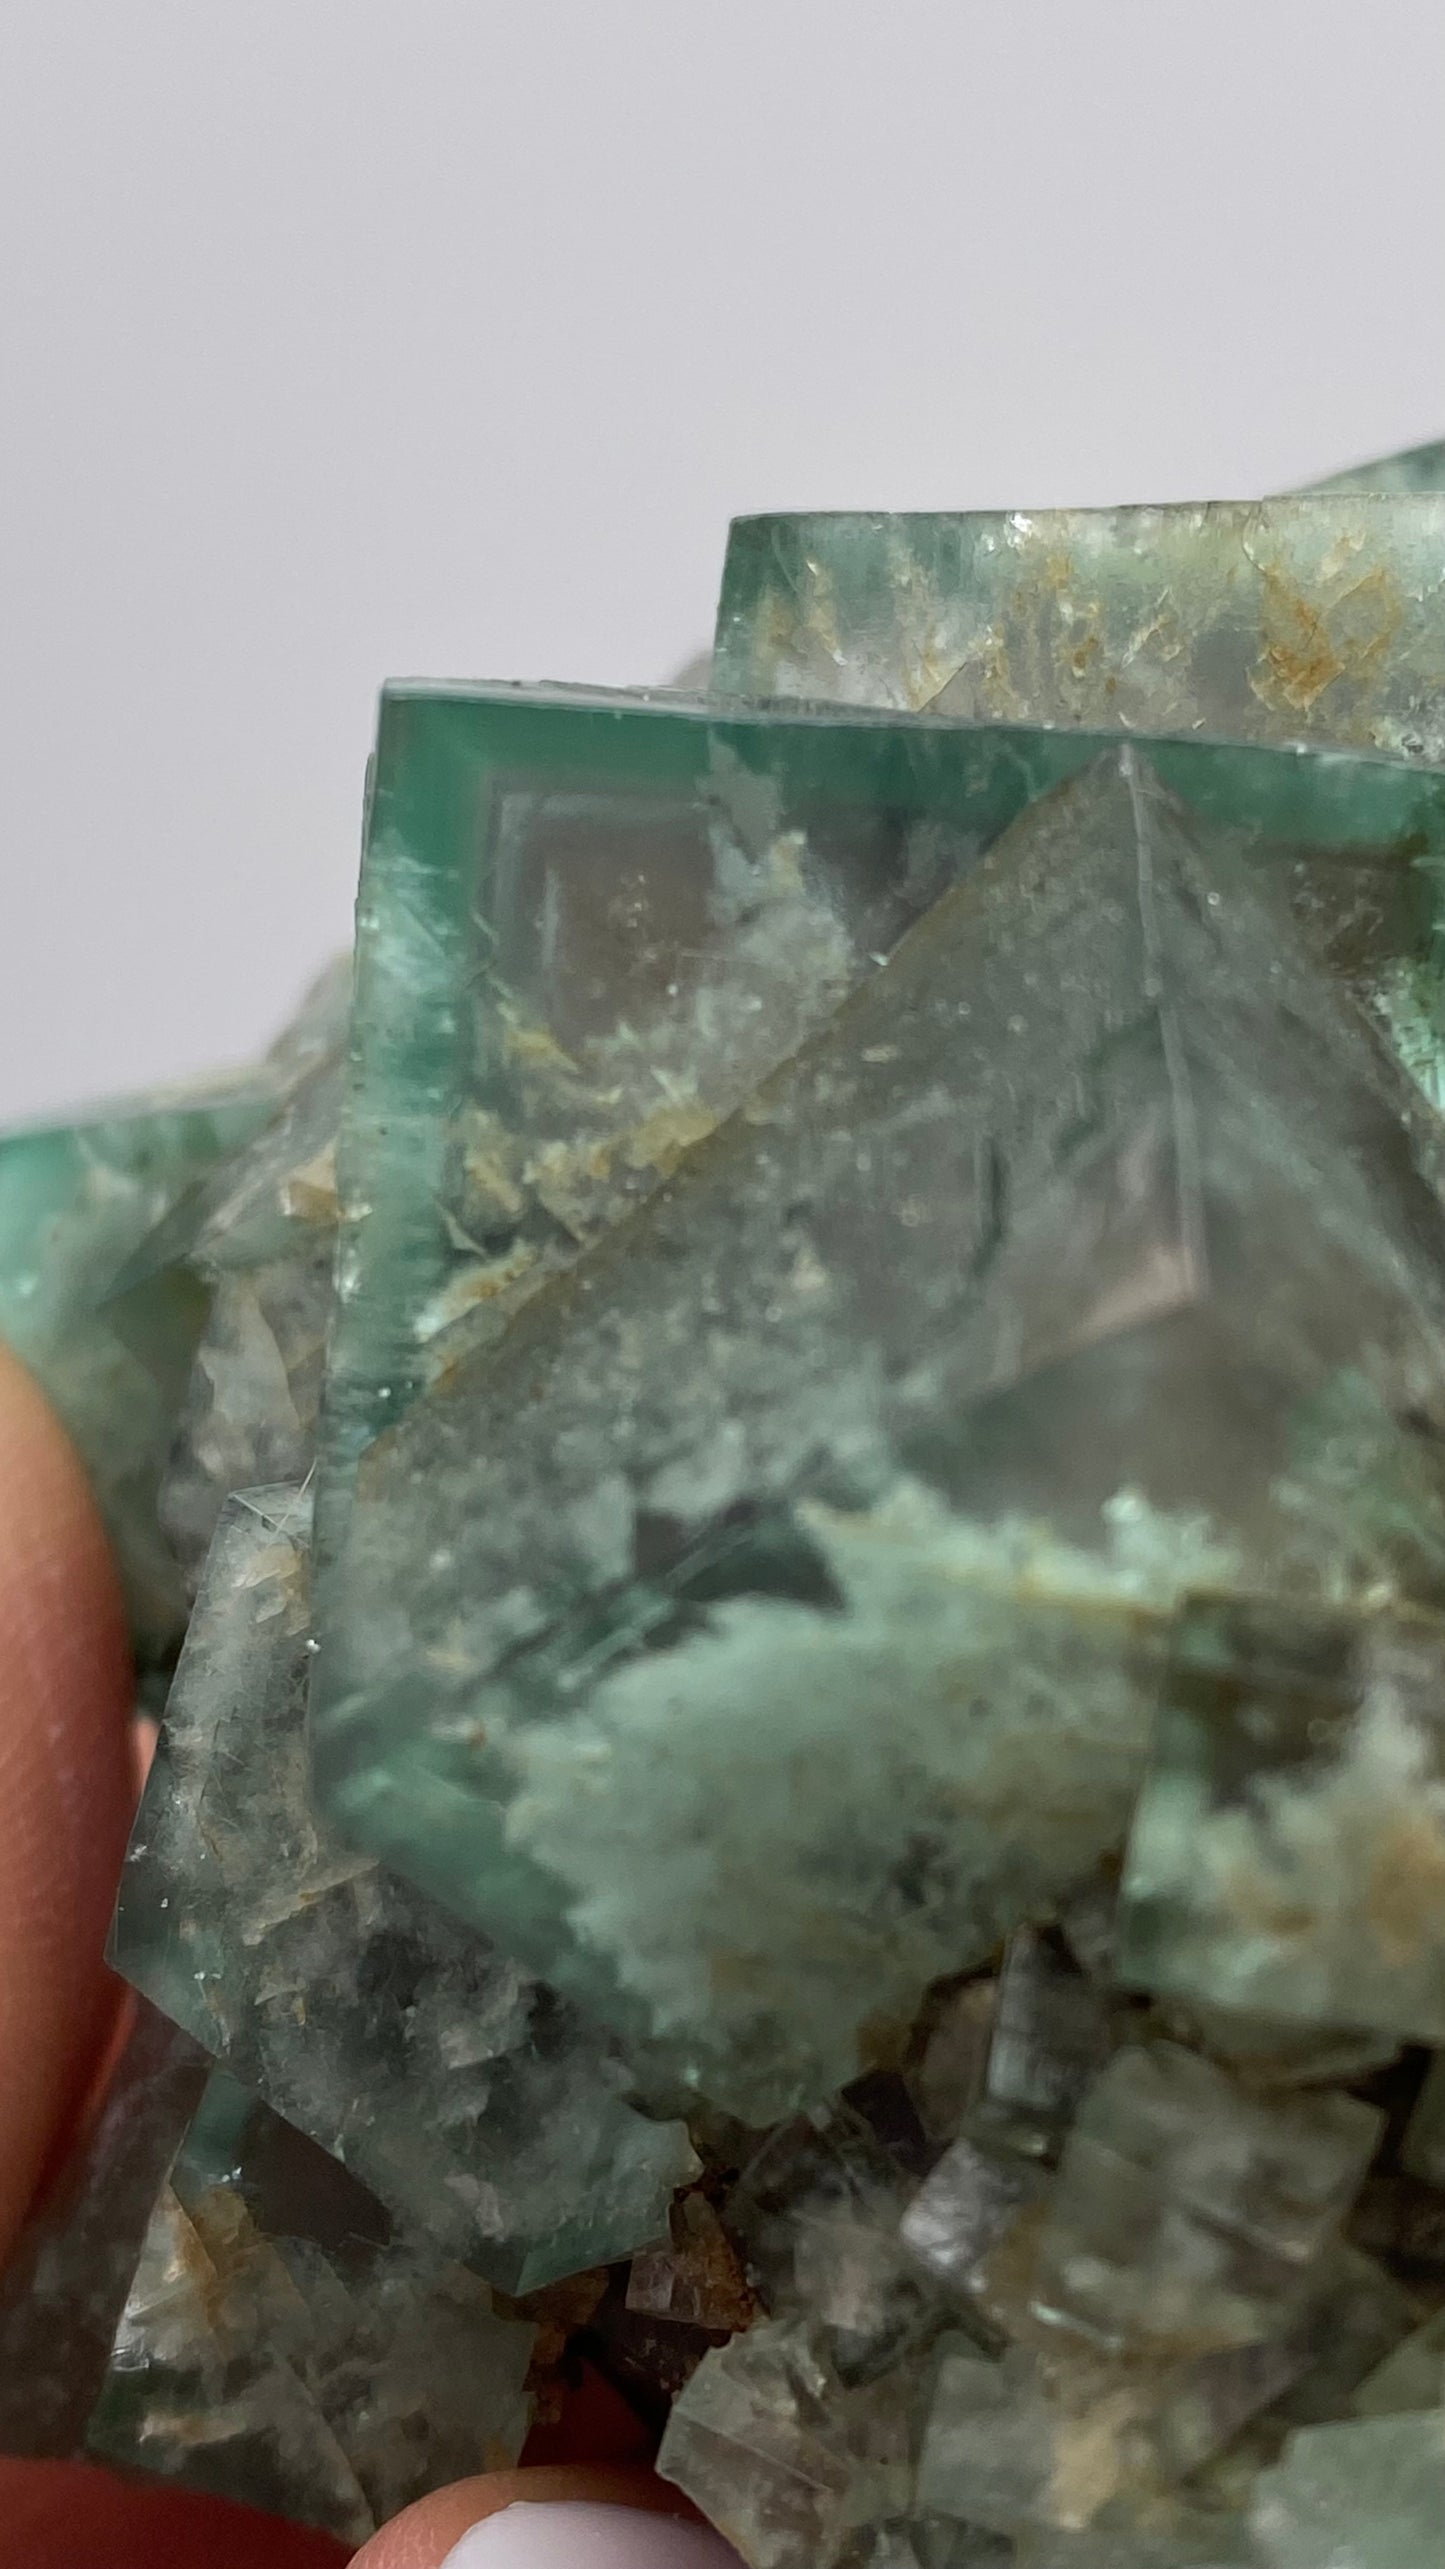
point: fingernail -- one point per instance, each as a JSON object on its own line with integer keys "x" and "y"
{"x": 576, "y": 2535}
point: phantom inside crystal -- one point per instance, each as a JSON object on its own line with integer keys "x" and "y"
{"x": 1029, "y": 1294}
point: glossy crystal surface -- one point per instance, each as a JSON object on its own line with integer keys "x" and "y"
{"x": 480, "y": 2110}
{"x": 782, "y": 1451}
{"x": 1301, "y": 618}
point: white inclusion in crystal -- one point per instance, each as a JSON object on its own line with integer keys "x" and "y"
{"x": 740, "y": 1830}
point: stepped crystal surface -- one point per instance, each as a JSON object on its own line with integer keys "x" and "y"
{"x": 1288, "y": 1851}
{"x": 463, "y": 2094}
{"x": 280, "y": 2343}
{"x": 111, "y": 1338}
{"x": 112, "y": 1290}
{"x": 804, "y": 1438}
{"x": 263, "y": 1242}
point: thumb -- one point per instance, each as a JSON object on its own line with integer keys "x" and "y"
{"x": 66, "y": 1784}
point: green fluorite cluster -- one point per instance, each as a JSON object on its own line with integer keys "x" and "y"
{"x": 788, "y": 1463}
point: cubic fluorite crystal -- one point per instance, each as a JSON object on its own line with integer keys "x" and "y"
{"x": 1292, "y": 619}
{"x": 280, "y": 2343}
{"x": 859, "y": 1295}
{"x": 462, "y": 2093}
{"x": 1058, "y": 1236}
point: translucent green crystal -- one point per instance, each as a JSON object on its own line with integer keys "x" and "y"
{"x": 1187, "y": 2210}
{"x": 1293, "y": 619}
{"x": 1364, "y": 2496}
{"x": 279, "y": 2345}
{"x": 263, "y": 1242}
{"x": 466, "y": 2097}
{"x": 748, "y": 2443}
{"x": 109, "y": 1334}
{"x": 646, "y": 1642}
{"x": 1416, "y": 468}
{"x": 1288, "y": 1850}
{"x": 588, "y": 926}
{"x": 1307, "y": 618}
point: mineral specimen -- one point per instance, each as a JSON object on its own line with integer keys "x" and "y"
{"x": 873, "y": 1836}
{"x": 279, "y": 2344}
{"x": 463, "y": 2094}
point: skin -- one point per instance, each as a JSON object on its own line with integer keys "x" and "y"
{"x": 67, "y": 1786}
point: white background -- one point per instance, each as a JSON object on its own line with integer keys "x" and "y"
{"x": 346, "y": 337}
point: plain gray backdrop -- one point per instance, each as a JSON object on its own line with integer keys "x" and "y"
{"x": 348, "y": 337}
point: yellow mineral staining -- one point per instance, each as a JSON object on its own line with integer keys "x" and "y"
{"x": 567, "y": 1176}
{"x": 1309, "y": 643}
{"x": 530, "y": 1047}
{"x": 660, "y": 1140}
{"x": 489, "y": 1280}
{"x": 1404, "y": 1897}
{"x": 1094, "y": 2456}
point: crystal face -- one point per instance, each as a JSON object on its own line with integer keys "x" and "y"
{"x": 462, "y": 2093}
{"x": 1291, "y": 619}
{"x": 588, "y": 926}
{"x": 1416, "y": 468}
{"x": 279, "y": 2344}
{"x": 860, "y": 1298}
{"x": 994, "y": 1196}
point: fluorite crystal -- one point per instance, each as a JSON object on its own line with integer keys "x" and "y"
{"x": 1061, "y": 1235}
{"x": 281, "y": 2344}
{"x": 66, "y": 2285}
{"x": 1292, "y": 619}
{"x": 115, "y": 1232}
{"x": 859, "y": 1294}
{"x": 1364, "y": 2496}
{"x": 111, "y": 1335}
{"x": 462, "y": 2093}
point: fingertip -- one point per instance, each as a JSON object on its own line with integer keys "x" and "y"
{"x": 427, "y": 2534}
{"x": 66, "y": 1781}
